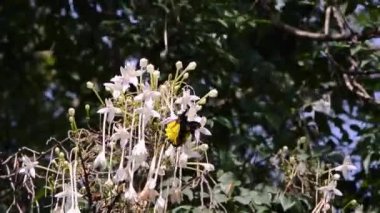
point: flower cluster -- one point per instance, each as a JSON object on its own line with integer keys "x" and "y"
{"x": 149, "y": 152}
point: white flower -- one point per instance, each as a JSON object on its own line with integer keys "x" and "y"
{"x": 28, "y": 167}
{"x": 160, "y": 205}
{"x": 201, "y": 129}
{"x": 147, "y": 94}
{"x": 73, "y": 210}
{"x": 208, "y": 167}
{"x": 66, "y": 194}
{"x": 186, "y": 99}
{"x": 100, "y": 162}
{"x": 140, "y": 149}
{"x": 128, "y": 76}
{"x": 148, "y": 193}
{"x": 169, "y": 119}
{"x": 120, "y": 175}
{"x": 147, "y": 111}
{"x": 170, "y": 153}
{"x": 186, "y": 154}
{"x": 175, "y": 195}
{"x": 346, "y": 167}
{"x": 116, "y": 88}
{"x": 121, "y": 134}
{"x": 330, "y": 190}
{"x": 109, "y": 110}
{"x": 192, "y": 112}
{"x": 131, "y": 194}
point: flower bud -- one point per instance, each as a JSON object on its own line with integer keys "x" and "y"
{"x": 57, "y": 150}
{"x": 156, "y": 73}
{"x": 192, "y": 65}
{"x": 336, "y": 176}
{"x": 213, "y": 93}
{"x": 186, "y": 76}
{"x": 178, "y": 65}
{"x": 90, "y": 85}
{"x": 61, "y": 155}
{"x": 71, "y": 111}
{"x": 71, "y": 119}
{"x": 163, "y": 88}
{"x": 208, "y": 167}
{"x": 150, "y": 68}
{"x": 203, "y": 147}
{"x": 202, "y": 101}
{"x": 87, "y": 107}
{"x": 143, "y": 62}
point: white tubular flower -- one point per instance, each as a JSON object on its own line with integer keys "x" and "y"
{"x": 149, "y": 193}
{"x": 109, "y": 110}
{"x": 66, "y": 194}
{"x": 140, "y": 149}
{"x": 186, "y": 154}
{"x": 346, "y": 167}
{"x": 147, "y": 111}
{"x": 28, "y": 167}
{"x": 192, "y": 112}
{"x": 121, "y": 134}
{"x": 128, "y": 77}
{"x": 147, "y": 94}
{"x": 159, "y": 207}
{"x": 170, "y": 153}
{"x": 73, "y": 210}
{"x": 330, "y": 190}
{"x": 186, "y": 100}
{"x": 115, "y": 88}
{"x": 130, "y": 194}
{"x": 201, "y": 129}
{"x": 175, "y": 195}
{"x": 121, "y": 175}
{"x": 208, "y": 167}
{"x": 100, "y": 162}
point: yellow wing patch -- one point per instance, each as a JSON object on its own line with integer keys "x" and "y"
{"x": 172, "y": 131}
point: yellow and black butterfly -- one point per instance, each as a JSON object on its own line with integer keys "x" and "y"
{"x": 179, "y": 130}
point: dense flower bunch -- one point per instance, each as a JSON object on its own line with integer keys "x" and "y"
{"x": 147, "y": 154}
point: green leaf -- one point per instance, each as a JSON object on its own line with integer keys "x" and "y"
{"x": 224, "y": 122}
{"x": 286, "y": 202}
{"x": 245, "y": 200}
{"x": 261, "y": 198}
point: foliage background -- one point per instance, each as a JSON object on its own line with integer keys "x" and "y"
{"x": 264, "y": 72}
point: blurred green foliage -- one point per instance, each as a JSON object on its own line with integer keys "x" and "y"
{"x": 264, "y": 74}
